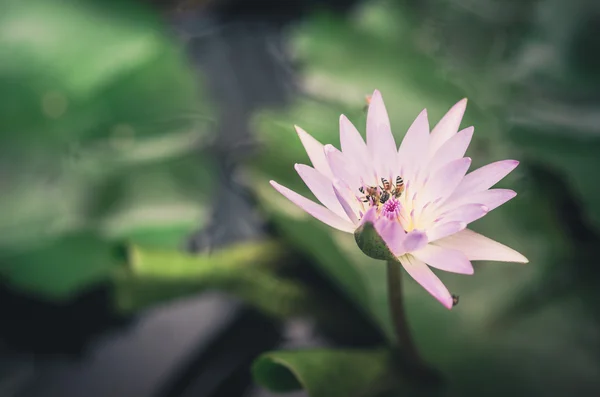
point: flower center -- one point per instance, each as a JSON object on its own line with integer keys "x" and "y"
{"x": 385, "y": 197}
{"x": 391, "y": 209}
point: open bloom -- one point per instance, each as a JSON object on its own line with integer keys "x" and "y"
{"x": 418, "y": 198}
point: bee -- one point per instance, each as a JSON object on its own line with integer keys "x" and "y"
{"x": 399, "y": 188}
{"x": 454, "y": 300}
{"x": 370, "y": 193}
{"x": 386, "y": 185}
{"x": 385, "y": 196}
{"x": 365, "y": 199}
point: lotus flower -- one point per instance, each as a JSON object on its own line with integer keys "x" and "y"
{"x": 419, "y": 198}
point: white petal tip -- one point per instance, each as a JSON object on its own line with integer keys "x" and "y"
{"x": 459, "y": 106}
{"x": 448, "y": 304}
{"x": 299, "y": 130}
{"x": 514, "y": 257}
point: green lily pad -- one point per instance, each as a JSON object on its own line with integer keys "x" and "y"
{"x": 326, "y": 372}
{"x": 244, "y": 270}
{"x": 61, "y": 269}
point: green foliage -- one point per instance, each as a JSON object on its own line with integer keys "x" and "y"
{"x": 326, "y": 373}
{"x": 246, "y": 270}
{"x": 100, "y": 130}
{"x": 62, "y": 80}
{"x": 61, "y": 267}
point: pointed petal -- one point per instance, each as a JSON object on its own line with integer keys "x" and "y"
{"x": 340, "y": 168}
{"x": 314, "y": 149}
{"x": 492, "y": 199}
{"x": 446, "y": 179}
{"x": 347, "y": 200}
{"x": 321, "y": 186}
{"x": 448, "y": 125}
{"x": 380, "y": 141}
{"x": 414, "y": 147}
{"x": 443, "y": 230}
{"x": 480, "y": 248}
{"x": 466, "y": 213}
{"x": 424, "y": 276}
{"x": 355, "y": 150}
{"x": 446, "y": 259}
{"x": 318, "y": 211}
{"x": 453, "y": 149}
{"x": 487, "y": 176}
{"x": 351, "y": 141}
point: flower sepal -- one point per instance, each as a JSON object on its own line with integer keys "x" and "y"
{"x": 371, "y": 243}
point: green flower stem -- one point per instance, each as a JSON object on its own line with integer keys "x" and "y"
{"x": 396, "y": 302}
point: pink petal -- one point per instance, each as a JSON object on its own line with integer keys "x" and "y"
{"x": 414, "y": 147}
{"x": 340, "y": 168}
{"x": 355, "y": 150}
{"x": 392, "y": 234}
{"x": 453, "y": 149}
{"x": 448, "y": 125}
{"x": 314, "y": 149}
{"x": 321, "y": 186}
{"x": 480, "y": 248}
{"x": 492, "y": 199}
{"x": 487, "y": 176}
{"x": 415, "y": 240}
{"x": 443, "y": 230}
{"x": 318, "y": 211}
{"x": 424, "y": 276}
{"x": 346, "y": 200}
{"x": 444, "y": 259}
{"x": 446, "y": 179}
{"x": 369, "y": 216}
{"x": 380, "y": 141}
{"x": 466, "y": 213}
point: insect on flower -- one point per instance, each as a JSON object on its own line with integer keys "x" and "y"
{"x": 455, "y": 300}
{"x": 418, "y": 197}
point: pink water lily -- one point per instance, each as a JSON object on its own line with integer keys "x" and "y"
{"x": 419, "y": 197}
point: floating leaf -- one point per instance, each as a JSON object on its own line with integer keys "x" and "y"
{"x": 326, "y": 372}
{"x": 244, "y": 270}
{"x": 60, "y": 269}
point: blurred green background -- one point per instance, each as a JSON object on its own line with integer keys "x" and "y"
{"x": 112, "y": 155}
